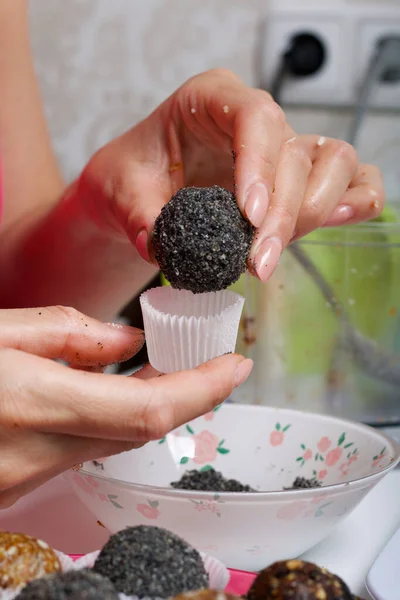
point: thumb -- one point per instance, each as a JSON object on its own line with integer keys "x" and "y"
{"x": 65, "y": 333}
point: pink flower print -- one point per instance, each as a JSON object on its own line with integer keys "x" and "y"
{"x": 103, "y": 497}
{"x": 278, "y": 435}
{"x": 333, "y": 456}
{"x": 150, "y": 510}
{"x": 319, "y": 498}
{"x": 92, "y": 481}
{"x": 276, "y": 438}
{"x": 86, "y": 484}
{"x": 324, "y": 444}
{"x": 307, "y": 454}
{"x": 353, "y": 458}
{"x": 290, "y": 511}
{"x": 322, "y": 474}
{"x": 376, "y": 461}
{"x": 344, "y": 468}
{"x": 206, "y": 505}
{"x": 206, "y": 447}
{"x": 209, "y": 416}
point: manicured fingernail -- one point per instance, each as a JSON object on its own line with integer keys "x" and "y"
{"x": 243, "y": 370}
{"x": 96, "y": 369}
{"x": 89, "y": 369}
{"x": 294, "y": 235}
{"x": 141, "y": 242}
{"x": 256, "y": 204}
{"x": 267, "y": 257}
{"x": 127, "y": 329}
{"x": 340, "y": 215}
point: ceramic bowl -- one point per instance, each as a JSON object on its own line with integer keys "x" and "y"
{"x": 263, "y": 447}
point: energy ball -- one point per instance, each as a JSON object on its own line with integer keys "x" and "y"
{"x": 201, "y": 240}
{"x": 73, "y": 585}
{"x": 295, "y": 579}
{"x": 23, "y": 558}
{"x": 206, "y": 595}
{"x": 151, "y": 562}
{"x": 209, "y": 481}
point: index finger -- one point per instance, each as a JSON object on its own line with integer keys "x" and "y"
{"x": 228, "y": 112}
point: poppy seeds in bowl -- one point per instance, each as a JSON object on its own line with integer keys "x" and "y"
{"x": 150, "y": 562}
{"x": 201, "y": 240}
{"x": 209, "y": 481}
{"x": 72, "y": 585}
{"x": 302, "y": 483}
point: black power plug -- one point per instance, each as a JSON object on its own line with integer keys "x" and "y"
{"x": 305, "y": 56}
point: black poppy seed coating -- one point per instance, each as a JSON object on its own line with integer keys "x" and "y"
{"x": 151, "y": 562}
{"x": 72, "y": 585}
{"x": 301, "y": 483}
{"x": 209, "y": 481}
{"x": 201, "y": 240}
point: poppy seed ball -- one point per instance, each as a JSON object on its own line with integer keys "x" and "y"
{"x": 150, "y": 562}
{"x": 201, "y": 240}
{"x": 72, "y": 585}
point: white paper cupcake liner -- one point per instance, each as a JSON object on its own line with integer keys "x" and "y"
{"x": 184, "y": 330}
{"x": 218, "y": 574}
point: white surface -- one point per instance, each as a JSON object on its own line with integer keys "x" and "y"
{"x": 55, "y": 514}
{"x": 383, "y": 577}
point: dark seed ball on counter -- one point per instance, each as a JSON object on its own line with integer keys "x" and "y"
{"x": 295, "y": 580}
{"x": 72, "y": 585}
{"x": 301, "y": 483}
{"x": 201, "y": 240}
{"x": 23, "y": 558}
{"x": 206, "y": 595}
{"x": 209, "y": 481}
{"x": 151, "y": 562}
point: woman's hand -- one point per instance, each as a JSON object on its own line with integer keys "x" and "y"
{"x": 287, "y": 185}
{"x": 52, "y": 416}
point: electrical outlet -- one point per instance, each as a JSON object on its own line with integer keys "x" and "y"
{"x": 349, "y": 34}
{"x": 331, "y": 82}
{"x": 369, "y": 30}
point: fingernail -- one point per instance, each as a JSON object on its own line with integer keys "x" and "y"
{"x": 340, "y": 215}
{"x": 294, "y": 235}
{"x": 96, "y": 369}
{"x": 89, "y": 369}
{"x": 267, "y": 257}
{"x": 243, "y": 370}
{"x": 141, "y": 243}
{"x": 256, "y": 204}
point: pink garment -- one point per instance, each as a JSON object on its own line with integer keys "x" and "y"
{"x": 1, "y": 191}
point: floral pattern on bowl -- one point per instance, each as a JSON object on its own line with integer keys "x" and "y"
{"x": 266, "y": 448}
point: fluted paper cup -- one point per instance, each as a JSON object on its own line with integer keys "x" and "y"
{"x": 184, "y": 330}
